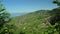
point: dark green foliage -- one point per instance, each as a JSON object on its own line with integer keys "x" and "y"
{"x": 4, "y": 15}
{"x": 55, "y": 19}
{"x": 7, "y": 29}
{"x": 4, "y": 19}
{"x": 22, "y": 32}
{"x": 55, "y": 13}
{"x": 56, "y": 2}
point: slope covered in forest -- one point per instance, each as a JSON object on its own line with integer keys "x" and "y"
{"x": 31, "y": 23}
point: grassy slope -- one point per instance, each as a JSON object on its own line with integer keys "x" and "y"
{"x": 31, "y": 23}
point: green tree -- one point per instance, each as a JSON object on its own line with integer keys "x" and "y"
{"x": 4, "y": 17}
{"x": 56, "y": 2}
{"x": 55, "y": 18}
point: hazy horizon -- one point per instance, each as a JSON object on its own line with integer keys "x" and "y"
{"x": 26, "y": 6}
{"x": 19, "y": 7}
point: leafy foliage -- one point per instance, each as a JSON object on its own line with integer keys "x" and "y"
{"x": 55, "y": 18}
{"x": 56, "y": 2}
{"x": 4, "y": 19}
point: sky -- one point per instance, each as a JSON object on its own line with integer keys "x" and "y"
{"x": 26, "y": 6}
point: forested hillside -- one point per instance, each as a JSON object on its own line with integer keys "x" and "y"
{"x": 37, "y": 22}
{"x": 32, "y": 23}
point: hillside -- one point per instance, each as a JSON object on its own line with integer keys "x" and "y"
{"x": 31, "y": 23}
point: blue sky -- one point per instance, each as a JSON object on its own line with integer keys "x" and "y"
{"x": 25, "y": 6}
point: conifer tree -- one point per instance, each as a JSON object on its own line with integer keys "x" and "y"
{"x": 4, "y": 17}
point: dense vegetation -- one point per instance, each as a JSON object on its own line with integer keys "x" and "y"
{"x": 38, "y": 22}
{"x": 32, "y": 23}
{"x": 4, "y": 19}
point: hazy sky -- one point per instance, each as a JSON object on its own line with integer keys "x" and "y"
{"x": 23, "y": 6}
